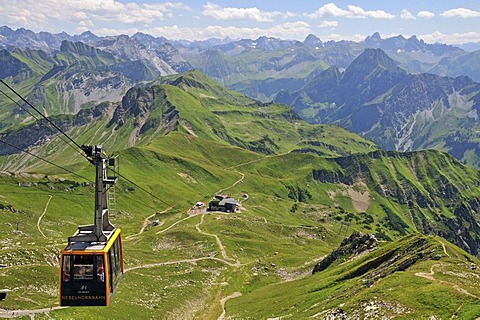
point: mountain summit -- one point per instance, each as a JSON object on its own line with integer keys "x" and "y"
{"x": 313, "y": 41}
{"x": 371, "y": 73}
{"x": 369, "y": 60}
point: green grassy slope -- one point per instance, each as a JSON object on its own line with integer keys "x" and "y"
{"x": 265, "y": 128}
{"x": 438, "y": 282}
{"x": 274, "y": 238}
{"x": 35, "y": 65}
{"x": 180, "y": 179}
{"x": 296, "y": 206}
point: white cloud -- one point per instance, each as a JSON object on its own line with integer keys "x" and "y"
{"x": 376, "y": 14}
{"x": 425, "y": 14}
{"x": 115, "y": 31}
{"x": 328, "y": 24}
{"x": 452, "y": 38}
{"x": 338, "y": 37}
{"x": 44, "y": 14}
{"x": 460, "y": 13}
{"x": 290, "y": 14}
{"x": 86, "y": 23}
{"x": 253, "y": 14}
{"x": 406, "y": 15}
{"x": 289, "y": 30}
{"x": 331, "y": 10}
{"x": 167, "y": 6}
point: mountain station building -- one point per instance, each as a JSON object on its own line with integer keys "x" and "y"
{"x": 222, "y": 203}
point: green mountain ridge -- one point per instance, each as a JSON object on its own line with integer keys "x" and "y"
{"x": 192, "y": 103}
{"x": 422, "y": 184}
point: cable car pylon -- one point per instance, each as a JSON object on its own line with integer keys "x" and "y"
{"x": 91, "y": 265}
{"x": 102, "y": 228}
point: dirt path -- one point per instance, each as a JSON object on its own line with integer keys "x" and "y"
{"x": 174, "y": 224}
{"x": 224, "y": 300}
{"x": 22, "y": 313}
{"x": 430, "y": 275}
{"x": 444, "y": 249}
{"x": 461, "y": 290}
{"x": 235, "y": 183}
{"x": 146, "y": 222}
{"x": 217, "y": 239}
{"x": 226, "y": 259}
{"x": 454, "y": 315}
{"x": 41, "y": 216}
{"x": 260, "y": 159}
{"x": 166, "y": 263}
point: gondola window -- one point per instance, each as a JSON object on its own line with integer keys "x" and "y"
{"x": 66, "y": 269}
{"x": 82, "y": 267}
{"x": 100, "y": 269}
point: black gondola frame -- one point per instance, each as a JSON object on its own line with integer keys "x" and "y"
{"x": 82, "y": 291}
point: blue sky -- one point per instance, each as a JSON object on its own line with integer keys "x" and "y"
{"x": 447, "y": 21}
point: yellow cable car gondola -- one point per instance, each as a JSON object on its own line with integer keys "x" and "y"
{"x": 91, "y": 264}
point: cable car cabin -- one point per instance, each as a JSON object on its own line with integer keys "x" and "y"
{"x": 90, "y": 272}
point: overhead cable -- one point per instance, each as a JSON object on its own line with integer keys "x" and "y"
{"x": 18, "y": 104}
{"x": 73, "y": 141}
{"x": 31, "y": 106}
{"x": 45, "y": 160}
{"x": 38, "y": 120}
{"x": 141, "y": 188}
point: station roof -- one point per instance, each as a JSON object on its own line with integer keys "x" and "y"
{"x": 229, "y": 201}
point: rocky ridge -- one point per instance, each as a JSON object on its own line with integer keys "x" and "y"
{"x": 407, "y": 179}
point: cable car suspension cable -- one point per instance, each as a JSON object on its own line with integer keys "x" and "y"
{"x": 141, "y": 188}
{"x": 18, "y": 104}
{"x": 38, "y": 121}
{"x": 47, "y": 161}
{"x": 30, "y": 105}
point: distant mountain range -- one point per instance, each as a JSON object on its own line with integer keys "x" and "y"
{"x": 399, "y": 111}
{"x": 404, "y": 94}
{"x": 276, "y": 58}
{"x": 412, "y": 52}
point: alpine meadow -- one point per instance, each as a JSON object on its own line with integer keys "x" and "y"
{"x": 257, "y": 178}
